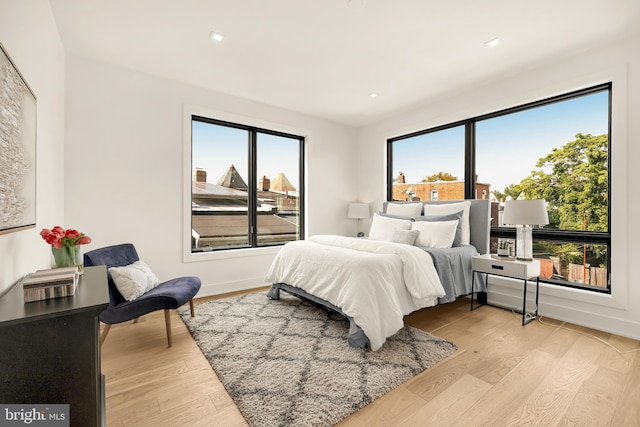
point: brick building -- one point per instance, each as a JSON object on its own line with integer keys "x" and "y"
{"x": 437, "y": 190}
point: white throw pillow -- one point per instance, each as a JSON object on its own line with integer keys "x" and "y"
{"x": 457, "y": 241}
{"x": 410, "y": 210}
{"x": 439, "y": 234}
{"x": 134, "y": 279}
{"x": 382, "y": 227}
{"x": 452, "y": 208}
{"x": 407, "y": 237}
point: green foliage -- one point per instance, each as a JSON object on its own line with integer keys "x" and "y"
{"x": 513, "y": 191}
{"x": 499, "y": 195}
{"x": 573, "y": 180}
{"x": 576, "y": 183}
{"x": 440, "y": 176}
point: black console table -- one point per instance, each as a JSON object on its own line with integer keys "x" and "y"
{"x": 50, "y": 352}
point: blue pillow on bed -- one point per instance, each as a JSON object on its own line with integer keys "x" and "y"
{"x": 457, "y": 240}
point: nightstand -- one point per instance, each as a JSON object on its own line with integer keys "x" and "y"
{"x": 508, "y": 267}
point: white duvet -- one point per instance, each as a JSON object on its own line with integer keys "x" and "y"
{"x": 376, "y": 283}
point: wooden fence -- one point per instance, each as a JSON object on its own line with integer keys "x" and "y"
{"x": 546, "y": 268}
{"x": 596, "y": 276}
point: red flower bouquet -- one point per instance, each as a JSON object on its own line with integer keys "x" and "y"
{"x": 66, "y": 246}
{"x": 59, "y": 237}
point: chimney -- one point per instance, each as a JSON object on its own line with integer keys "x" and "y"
{"x": 265, "y": 183}
{"x": 200, "y": 175}
{"x": 401, "y": 178}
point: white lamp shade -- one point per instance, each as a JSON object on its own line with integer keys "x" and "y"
{"x": 525, "y": 212}
{"x": 358, "y": 210}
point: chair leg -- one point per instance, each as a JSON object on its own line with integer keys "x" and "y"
{"x": 167, "y": 321}
{"x": 103, "y": 336}
{"x": 191, "y": 307}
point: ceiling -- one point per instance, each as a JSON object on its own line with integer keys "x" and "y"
{"x": 325, "y": 57}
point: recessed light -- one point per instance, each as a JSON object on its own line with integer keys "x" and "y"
{"x": 215, "y": 36}
{"x": 373, "y": 95}
{"x": 493, "y": 42}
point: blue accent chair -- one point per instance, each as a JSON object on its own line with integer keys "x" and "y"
{"x": 166, "y": 296}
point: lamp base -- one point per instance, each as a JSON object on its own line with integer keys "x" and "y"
{"x": 524, "y": 243}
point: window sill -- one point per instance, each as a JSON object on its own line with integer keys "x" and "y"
{"x": 188, "y": 256}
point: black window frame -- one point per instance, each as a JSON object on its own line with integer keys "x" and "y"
{"x": 252, "y": 182}
{"x": 565, "y": 236}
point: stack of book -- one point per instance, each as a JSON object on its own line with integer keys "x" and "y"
{"x": 48, "y": 284}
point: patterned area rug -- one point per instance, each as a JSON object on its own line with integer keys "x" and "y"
{"x": 287, "y": 362}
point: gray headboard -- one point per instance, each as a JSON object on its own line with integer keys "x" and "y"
{"x": 479, "y": 220}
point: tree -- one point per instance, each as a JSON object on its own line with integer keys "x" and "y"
{"x": 576, "y": 183}
{"x": 500, "y": 197}
{"x": 573, "y": 180}
{"x": 514, "y": 191}
{"x": 440, "y": 176}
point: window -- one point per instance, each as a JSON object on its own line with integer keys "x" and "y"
{"x": 247, "y": 186}
{"x": 428, "y": 162}
{"x": 556, "y": 149}
{"x": 434, "y": 194}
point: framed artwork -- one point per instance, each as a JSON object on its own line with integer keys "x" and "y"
{"x": 17, "y": 149}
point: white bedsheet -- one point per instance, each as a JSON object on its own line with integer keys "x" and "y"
{"x": 376, "y": 283}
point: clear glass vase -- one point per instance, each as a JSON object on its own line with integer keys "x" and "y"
{"x": 68, "y": 256}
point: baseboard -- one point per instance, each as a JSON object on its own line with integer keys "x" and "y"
{"x": 211, "y": 289}
{"x": 509, "y": 296}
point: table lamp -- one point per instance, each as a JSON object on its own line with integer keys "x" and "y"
{"x": 358, "y": 211}
{"x": 523, "y": 214}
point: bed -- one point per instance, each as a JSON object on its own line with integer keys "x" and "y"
{"x": 405, "y": 265}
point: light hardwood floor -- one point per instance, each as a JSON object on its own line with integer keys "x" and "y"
{"x": 502, "y": 374}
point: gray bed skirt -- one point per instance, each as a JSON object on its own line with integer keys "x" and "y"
{"x": 356, "y": 338}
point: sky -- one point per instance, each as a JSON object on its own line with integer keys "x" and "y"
{"x": 215, "y": 148}
{"x": 507, "y": 147}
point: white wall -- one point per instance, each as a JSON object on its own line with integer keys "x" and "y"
{"x": 29, "y": 34}
{"x": 618, "y": 62}
{"x": 124, "y": 174}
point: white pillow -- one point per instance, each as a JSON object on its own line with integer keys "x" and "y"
{"x": 452, "y": 208}
{"x": 134, "y": 279}
{"x": 438, "y": 234}
{"x": 407, "y": 237}
{"x": 410, "y": 210}
{"x": 382, "y": 227}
